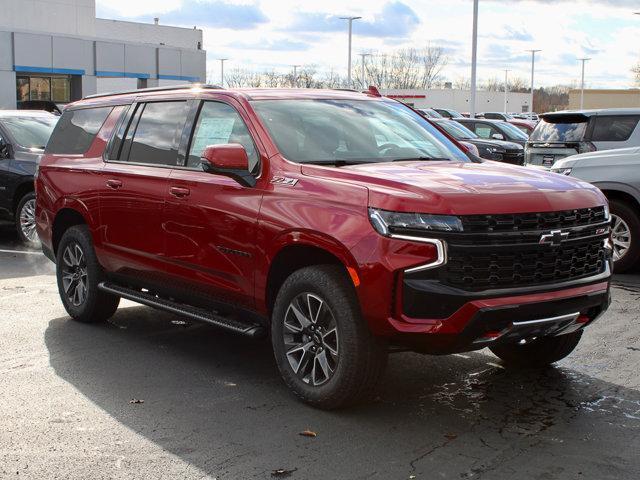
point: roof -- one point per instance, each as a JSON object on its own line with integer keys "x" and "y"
{"x": 599, "y": 111}
{"x": 25, "y": 113}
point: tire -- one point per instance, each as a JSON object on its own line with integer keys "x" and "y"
{"x": 538, "y": 354}
{"x": 630, "y": 218}
{"x": 361, "y": 358}
{"x": 79, "y": 273}
{"x": 26, "y": 221}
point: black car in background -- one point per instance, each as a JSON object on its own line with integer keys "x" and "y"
{"x": 23, "y": 136}
{"x": 448, "y": 112}
{"x": 499, "y": 150}
{"x": 494, "y": 130}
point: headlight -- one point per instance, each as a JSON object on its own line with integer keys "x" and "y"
{"x": 562, "y": 171}
{"x": 400, "y": 223}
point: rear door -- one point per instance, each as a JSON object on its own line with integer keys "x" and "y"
{"x": 134, "y": 189}
{"x": 211, "y": 219}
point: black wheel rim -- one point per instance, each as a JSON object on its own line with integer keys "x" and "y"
{"x": 74, "y": 274}
{"x": 310, "y": 335}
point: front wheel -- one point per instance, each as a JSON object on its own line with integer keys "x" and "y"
{"x": 538, "y": 353}
{"x": 625, "y": 235}
{"x": 26, "y": 221}
{"x": 324, "y": 349}
{"x": 79, "y": 273}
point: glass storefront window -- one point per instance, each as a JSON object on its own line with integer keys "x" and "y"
{"x": 40, "y": 88}
{"x": 60, "y": 89}
{"x": 55, "y": 88}
{"x": 22, "y": 88}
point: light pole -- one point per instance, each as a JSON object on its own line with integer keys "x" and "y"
{"x": 533, "y": 63}
{"x": 474, "y": 56}
{"x": 222, "y": 60}
{"x": 506, "y": 88}
{"x": 295, "y": 74}
{"x": 583, "y": 60}
{"x": 350, "y": 19}
{"x": 363, "y": 56}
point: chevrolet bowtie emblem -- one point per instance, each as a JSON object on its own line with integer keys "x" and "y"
{"x": 554, "y": 238}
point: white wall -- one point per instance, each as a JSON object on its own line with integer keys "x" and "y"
{"x": 107, "y": 84}
{"x": 148, "y": 33}
{"x": 72, "y": 17}
{"x": 459, "y": 99}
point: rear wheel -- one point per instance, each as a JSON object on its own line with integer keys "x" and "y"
{"x": 79, "y": 273}
{"x": 324, "y": 349}
{"x": 26, "y": 221}
{"x": 625, "y": 233}
{"x": 539, "y": 353}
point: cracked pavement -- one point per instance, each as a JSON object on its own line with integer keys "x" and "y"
{"x": 215, "y": 407}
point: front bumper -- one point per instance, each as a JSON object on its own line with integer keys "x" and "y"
{"x": 484, "y": 321}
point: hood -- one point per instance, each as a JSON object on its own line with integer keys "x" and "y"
{"x": 463, "y": 188}
{"x": 602, "y": 155}
{"x": 496, "y": 143}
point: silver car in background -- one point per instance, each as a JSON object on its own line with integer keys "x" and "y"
{"x": 617, "y": 174}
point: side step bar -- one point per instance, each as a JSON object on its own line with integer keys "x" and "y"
{"x": 252, "y": 330}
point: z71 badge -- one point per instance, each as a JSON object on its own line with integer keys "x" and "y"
{"x": 289, "y": 182}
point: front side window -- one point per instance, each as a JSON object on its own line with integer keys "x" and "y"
{"x": 352, "y": 131}
{"x": 457, "y": 130}
{"x": 614, "y": 128}
{"x": 30, "y": 131}
{"x": 219, "y": 124}
{"x": 76, "y": 130}
{"x": 157, "y": 135}
{"x": 513, "y": 132}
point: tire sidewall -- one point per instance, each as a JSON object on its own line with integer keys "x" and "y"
{"x": 632, "y": 218}
{"x": 347, "y": 320}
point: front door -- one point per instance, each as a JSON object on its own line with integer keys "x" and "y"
{"x": 211, "y": 219}
{"x": 132, "y": 199}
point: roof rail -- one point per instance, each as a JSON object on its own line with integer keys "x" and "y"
{"x": 346, "y": 90}
{"x": 158, "y": 89}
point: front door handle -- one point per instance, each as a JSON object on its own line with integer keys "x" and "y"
{"x": 113, "y": 183}
{"x": 179, "y": 192}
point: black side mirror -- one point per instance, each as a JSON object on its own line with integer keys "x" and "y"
{"x": 5, "y": 150}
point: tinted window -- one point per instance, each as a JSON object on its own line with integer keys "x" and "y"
{"x": 563, "y": 129}
{"x": 30, "y": 132}
{"x": 218, "y": 124}
{"x": 614, "y": 129}
{"x": 513, "y": 132}
{"x": 76, "y": 130}
{"x": 457, "y": 131}
{"x": 158, "y": 133}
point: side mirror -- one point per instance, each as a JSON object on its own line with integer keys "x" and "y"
{"x": 497, "y": 136}
{"x": 230, "y": 160}
{"x": 5, "y": 150}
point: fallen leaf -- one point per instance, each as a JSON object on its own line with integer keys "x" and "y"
{"x": 179, "y": 322}
{"x": 451, "y": 436}
{"x": 282, "y": 472}
{"x": 412, "y": 476}
{"x": 308, "y": 433}
{"x": 135, "y": 400}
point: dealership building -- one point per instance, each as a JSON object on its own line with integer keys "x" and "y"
{"x": 58, "y": 50}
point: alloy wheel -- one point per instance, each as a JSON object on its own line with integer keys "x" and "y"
{"x": 620, "y": 236}
{"x": 311, "y": 339}
{"x": 28, "y": 221}
{"x": 74, "y": 274}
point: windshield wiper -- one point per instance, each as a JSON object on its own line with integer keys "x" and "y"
{"x": 337, "y": 163}
{"x": 435, "y": 159}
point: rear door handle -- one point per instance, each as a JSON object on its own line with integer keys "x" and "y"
{"x": 179, "y": 192}
{"x": 115, "y": 184}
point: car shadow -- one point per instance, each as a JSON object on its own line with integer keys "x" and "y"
{"x": 216, "y": 401}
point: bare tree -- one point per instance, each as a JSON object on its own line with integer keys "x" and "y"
{"x": 636, "y": 74}
{"x": 462, "y": 83}
{"x": 492, "y": 85}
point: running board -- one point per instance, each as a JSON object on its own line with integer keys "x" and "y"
{"x": 252, "y": 330}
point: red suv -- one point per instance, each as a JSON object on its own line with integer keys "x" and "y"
{"x": 341, "y": 224}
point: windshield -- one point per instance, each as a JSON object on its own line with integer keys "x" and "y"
{"x": 457, "y": 131}
{"x": 572, "y": 130}
{"x": 513, "y": 131}
{"x": 30, "y": 132}
{"x": 352, "y": 131}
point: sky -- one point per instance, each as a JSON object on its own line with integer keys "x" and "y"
{"x": 275, "y": 34}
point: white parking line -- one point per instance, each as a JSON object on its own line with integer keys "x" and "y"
{"x": 21, "y": 251}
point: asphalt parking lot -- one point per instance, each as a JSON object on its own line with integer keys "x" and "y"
{"x": 149, "y": 395}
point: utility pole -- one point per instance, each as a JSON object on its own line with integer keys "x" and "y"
{"x": 364, "y": 82}
{"x": 533, "y": 66}
{"x": 583, "y": 60}
{"x": 506, "y": 88}
{"x": 295, "y": 75}
{"x": 222, "y": 60}
{"x": 474, "y": 58}
{"x": 350, "y": 19}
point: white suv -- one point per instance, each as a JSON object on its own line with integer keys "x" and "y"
{"x": 561, "y": 134}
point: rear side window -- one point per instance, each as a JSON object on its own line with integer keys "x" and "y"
{"x": 563, "y": 129}
{"x": 76, "y": 130}
{"x": 157, "y": 134}
{"x": 614, "y": 128}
